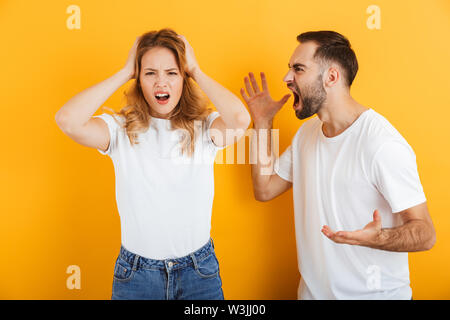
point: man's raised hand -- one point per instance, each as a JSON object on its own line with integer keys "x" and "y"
{"x": 261, "y": 105}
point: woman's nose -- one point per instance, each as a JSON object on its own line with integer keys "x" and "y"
{"x": 161, "y": 79}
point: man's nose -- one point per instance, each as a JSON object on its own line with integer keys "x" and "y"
{"x": 288, "y": 77}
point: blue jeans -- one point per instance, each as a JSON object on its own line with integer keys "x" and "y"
{"x": 192, "y": 277}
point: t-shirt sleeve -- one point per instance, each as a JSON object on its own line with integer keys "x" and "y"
{"x": 113, "y": 128}
{"x": 395, "y": 174}
{"x": 209, "y": 120}
{"x": 283, "y": 165}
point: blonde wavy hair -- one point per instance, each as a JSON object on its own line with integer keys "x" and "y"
{"x": 193, "y": 105}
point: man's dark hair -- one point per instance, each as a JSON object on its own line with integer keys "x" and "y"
{"x": 333, "y": 46}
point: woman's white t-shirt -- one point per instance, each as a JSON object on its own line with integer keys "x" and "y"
{"x": 164, "y": 198}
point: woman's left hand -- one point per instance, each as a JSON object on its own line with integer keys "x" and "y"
{"x": 191, "y": 63}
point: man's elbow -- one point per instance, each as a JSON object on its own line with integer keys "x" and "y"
{"x": 431, "y": 242}
{"x": 261, "y": 196}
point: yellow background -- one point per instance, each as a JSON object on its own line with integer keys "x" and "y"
{"x": 58, "y": 198}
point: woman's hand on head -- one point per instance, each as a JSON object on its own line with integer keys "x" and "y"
{"x": 130, "y": 64}
{"x": 191, "y": 63}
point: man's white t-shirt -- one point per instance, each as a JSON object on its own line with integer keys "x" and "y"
{"x": 339, "y": 182}
{"x": 164, "y": 198}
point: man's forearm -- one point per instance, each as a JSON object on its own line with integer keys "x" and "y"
{"x": 414, "y": 235}
{"x": 261, "y": 157}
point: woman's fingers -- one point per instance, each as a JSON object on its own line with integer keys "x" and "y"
{"x": 183, "y": 38}
{"x": 130, "y": 62}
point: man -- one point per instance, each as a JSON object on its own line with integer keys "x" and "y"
{"x": 350, "y": 170}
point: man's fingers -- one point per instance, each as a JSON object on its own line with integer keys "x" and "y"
{"x": 330, "y": 234}
{"x": 244, "y": 95}
{"x": 343, "y": 237}
{"x": 264, "y": 82}
{"x": 345, "y": 240}
{"x": 346, "y": 235}
{"x": 342, "y": 240}
{"x": 327, "y": 231}
{"x": 284, "y": 99}
{"x": 376, "y": 216}
{"x": 250, "y": 91}
{"x": 254, "y": 83}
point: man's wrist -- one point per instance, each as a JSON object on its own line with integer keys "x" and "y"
{"x": 263, "y": 124}
{"x": 380, "y": 239}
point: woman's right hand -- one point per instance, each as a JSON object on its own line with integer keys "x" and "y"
{"x": 130, "y": 64}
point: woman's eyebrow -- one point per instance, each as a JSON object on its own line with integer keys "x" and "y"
{"x": 157, "y": 69}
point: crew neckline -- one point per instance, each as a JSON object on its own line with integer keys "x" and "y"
{"x": 159, "y": 119}
{"x": 160, "y": 123}
{"x": 347, "y": 131}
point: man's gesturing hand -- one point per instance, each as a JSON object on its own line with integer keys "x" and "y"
{"x": 261, "y": 105}
{"x": 368, "y": 236}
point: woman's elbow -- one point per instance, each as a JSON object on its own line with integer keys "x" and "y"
{"x": 243, "y": 120}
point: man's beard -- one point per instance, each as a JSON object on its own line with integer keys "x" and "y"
{"x": 312, "y": 99}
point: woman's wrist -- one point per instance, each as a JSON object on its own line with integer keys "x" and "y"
{"x": 196, "y": 73}
{"x": 126, "y": 74}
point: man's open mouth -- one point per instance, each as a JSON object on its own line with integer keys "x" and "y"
{"x": 296, "y": 99}
{"x": 296, "y": 93}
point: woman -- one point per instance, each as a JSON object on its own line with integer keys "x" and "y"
{"x": 164, "y": 203}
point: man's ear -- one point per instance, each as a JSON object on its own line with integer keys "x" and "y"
{"x": 332, "y": 76}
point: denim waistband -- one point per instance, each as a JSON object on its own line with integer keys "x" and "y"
{"x": 141, "y": 262}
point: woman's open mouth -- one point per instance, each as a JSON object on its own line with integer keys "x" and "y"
{"x": 162, "y": 97}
